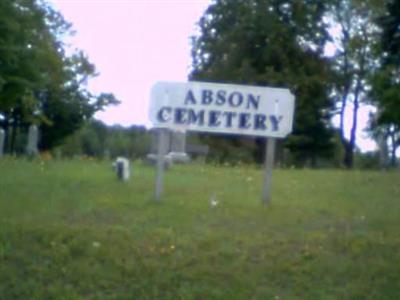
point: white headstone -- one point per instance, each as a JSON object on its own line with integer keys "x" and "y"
{"x": 122, "y": 168}
{"x": 2, "y": 138}
{"x": 33, "y": 140}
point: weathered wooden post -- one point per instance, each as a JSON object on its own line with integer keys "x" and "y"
{"x": 161, "y": 152}
{"x": 269, "y": 165}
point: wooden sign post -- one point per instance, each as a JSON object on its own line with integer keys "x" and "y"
{"x": 161, "y": 152}
{"x": 269, "y": 165}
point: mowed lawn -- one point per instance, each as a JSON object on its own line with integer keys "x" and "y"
{"x": 70, "y": 230}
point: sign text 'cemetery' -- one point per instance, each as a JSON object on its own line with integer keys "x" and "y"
{"x": 224, "y": 108}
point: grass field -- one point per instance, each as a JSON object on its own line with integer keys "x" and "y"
{"x": 70, "y": 230}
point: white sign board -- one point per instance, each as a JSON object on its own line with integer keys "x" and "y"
{"x": 223, "y": 108}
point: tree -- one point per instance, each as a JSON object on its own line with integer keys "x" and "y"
{"x": 39, "y": 83}
{"x": 386, "y": 81}
{"x": 354, "y": 62}
{"x": 274, "y": 43}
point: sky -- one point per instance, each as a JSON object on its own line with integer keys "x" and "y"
{"x": 136, "y": 43}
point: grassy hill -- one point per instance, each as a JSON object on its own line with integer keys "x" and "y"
{"x": 70, "y": 230}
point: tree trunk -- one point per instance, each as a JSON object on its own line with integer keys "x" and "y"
{"x": 13, "y": 135}
{"x": 349, "y": 160}
{"x": 342, "y": 111}
{"x": 349, "y": 149}
{"x": 348, "y": 155}
{"x": 313, "y": 160}
{"x": 346, "y": 89}
{"x": 393, "y": 159}
{"x": 8, "y": 130}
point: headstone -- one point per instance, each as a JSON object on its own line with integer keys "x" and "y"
{"x": 2, "y": 139}
{"x": 178, "y": 147}
{"x": 178, "y": 141}
{"x": 122, "y": 168}
{"x": 33, "y": 139}
{"x": 198, "y": 152}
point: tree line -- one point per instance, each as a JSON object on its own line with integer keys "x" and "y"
{"x": 100, "y": 141}
{"x": 284, "y": 43}
{"x": 260, "y": 42}
{"x": 42, "y": 82}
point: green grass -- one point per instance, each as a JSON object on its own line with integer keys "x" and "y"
{"x": 70, "y": 230}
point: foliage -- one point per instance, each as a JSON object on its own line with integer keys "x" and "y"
{"x": 274, "y": 43}
{"x": 70, "y": 230}
{"x": 367, "y": 161}
{"x": 390, "y": 38}
{"x": 96, "y": 139}
{"x": 355, "y": 37}
{"x": 39, "y": 82}
{"x": 386, "y": 81}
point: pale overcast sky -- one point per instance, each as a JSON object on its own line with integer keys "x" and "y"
{"x": 134, "y": 44}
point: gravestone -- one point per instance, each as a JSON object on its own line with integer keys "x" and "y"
{"x": 122, "y": 168}
{"x": 177, "y": 150}
{"x": 178, "y": 141}
{"x": 33, "y": 140}
{"x": 198, "y": 152}
{"x": 2, "y": 139}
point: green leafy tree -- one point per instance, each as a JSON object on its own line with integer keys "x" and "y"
{"x": 274, "y": 43}
{"x": 39, "y": 83}
{"x": 355, "y": 61}
{"x": 386, "y": 81}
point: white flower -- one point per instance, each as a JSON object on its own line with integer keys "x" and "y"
{"x": 213, "y": 200}
{"x": 96, "y": 244}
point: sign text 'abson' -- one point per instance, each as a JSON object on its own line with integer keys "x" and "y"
{"x": 224, "y": 108}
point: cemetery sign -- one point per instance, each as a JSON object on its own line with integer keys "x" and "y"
{"x": 222, "y": 108}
